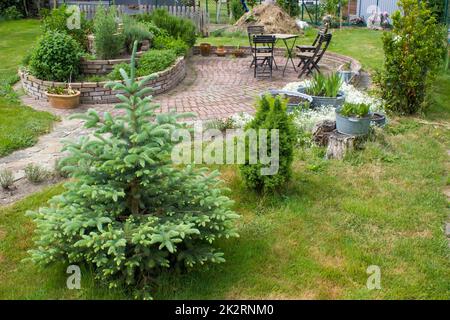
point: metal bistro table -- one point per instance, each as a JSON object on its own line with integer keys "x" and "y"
{"x": 289, "y": 49}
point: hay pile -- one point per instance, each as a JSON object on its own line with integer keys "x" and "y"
{"x": 272, "y": 17}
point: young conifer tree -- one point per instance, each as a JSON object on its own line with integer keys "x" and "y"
{"x": 128, "y": 211}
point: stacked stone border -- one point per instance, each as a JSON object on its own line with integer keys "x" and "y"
{"x": 355, "y": 65}
{"x": 95, "y": 92}
{"x": 101, "y": 67}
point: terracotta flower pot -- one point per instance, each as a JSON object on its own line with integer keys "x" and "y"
{"x": 220, "y": 51}
{"x": 64, "y": 101}
{"x": 238, "y": 53}
{"x": 205, "y": 49}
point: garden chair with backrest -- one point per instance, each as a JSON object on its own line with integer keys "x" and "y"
{"x": 251, "y": 31}
{"x": 262, "y": 49}
{"x": 306, "y": 48}
{"x": 310, "y": 60}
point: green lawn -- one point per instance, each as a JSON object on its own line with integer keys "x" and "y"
{"x": 20, "y": 126}
{"x": 382, "y": 206}
{"x": 363, "y": 44}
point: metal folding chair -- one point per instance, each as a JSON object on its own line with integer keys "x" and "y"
{"x": 310, "y": 60}
{"x": 322, "y": 31}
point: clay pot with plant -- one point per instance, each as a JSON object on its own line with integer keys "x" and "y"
{"x": 238, "y": 52}
{"x": 63, "y": 98}
{"x": 220, "y": 51}
{"x": 205, "y": 49}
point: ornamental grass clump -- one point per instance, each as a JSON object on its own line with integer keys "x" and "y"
{"x": 127, "y": 211}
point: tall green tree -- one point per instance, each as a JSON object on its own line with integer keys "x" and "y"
{"x": 128, "y": 211}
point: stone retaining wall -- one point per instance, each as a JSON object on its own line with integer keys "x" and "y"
{"x": 95, "y": 92}
{"x": 101, "y": 67}
{"x": 336, "y": 58}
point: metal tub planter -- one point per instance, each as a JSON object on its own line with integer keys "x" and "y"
{"x": 295, "y": 99}
{"x": 318, "y": 101}
{"x": 352, "y": 125}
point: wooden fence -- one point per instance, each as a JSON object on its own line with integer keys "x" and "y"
{"x": 196, "y": 15}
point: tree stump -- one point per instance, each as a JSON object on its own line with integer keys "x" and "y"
{"x": 322, "y": 131}
{"x": 339, "y": 144}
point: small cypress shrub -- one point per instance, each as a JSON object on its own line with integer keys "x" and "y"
{"x": 271, "y": 114}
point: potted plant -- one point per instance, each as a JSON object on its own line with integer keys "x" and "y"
{"x": 353, "y": 119}
{"x": 345, "y": 72}
{"x": 220, "y": 51}
{"x": 324, "y": 90}
{"x": 378, "y": 119}
{"x": 63, "y": 98}
{"x": 238, "y": 52}
{"x": 205, "y": 49}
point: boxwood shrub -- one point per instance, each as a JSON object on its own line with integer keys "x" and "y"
{"x": 56, "y": 57}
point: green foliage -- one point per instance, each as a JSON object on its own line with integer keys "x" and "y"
{"x": 115, "y": 73}
{"x": 290, "y": 6}
{"x": 324, "y": 86}
{"x": 414, "y": 51}
{"x": 36, "y": 173}
{"x": 237, "y": 9}
{"x": 176, "y": 27}
{"x": 56, "y": 57}
{"x": 108, "y": 42}
{"x": 355, "y": 109}
{"x": 166, "y": 42}
{"x": 129, "y": 212}
{"x": 155, "y": 60}
{"x": 271, "y": 114}
{"x": 151, "y": 27}
{"x": 56, "y": 20}
{"x": 134, "y": 30}
{"x": 6, "y": 178}
{"x": 11, "y": 13}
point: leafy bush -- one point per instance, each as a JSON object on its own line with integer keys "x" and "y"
{"x": 155, "y": 60}
{"x": 237, "y": 9}
{"x": 166, "y": 42}
{"x": 11, "y": 13}
{"x": 355, "y": 109}
{"x": 128, "y": 211}
{"x": 56, "y": 57}
{"x": 36, "y": 173}
{"x": 108, "y": 42}
{"x": 325, "y": 86}
{"x": 56, "y": 20}
{"x": 414, "y": 51}
{"x": 271, "y": 114}
{"x": 115, "y": 73}
{"x": 134, "y": 31}
{"x": 151, "y": 27}
{"x": 6, "y": 178}
{"x": 176, "y": 27}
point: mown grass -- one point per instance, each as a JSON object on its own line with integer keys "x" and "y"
{"x": 314, "y": 240}
{"x": 20, "y": 126}
{"x": 363, "y": 44}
